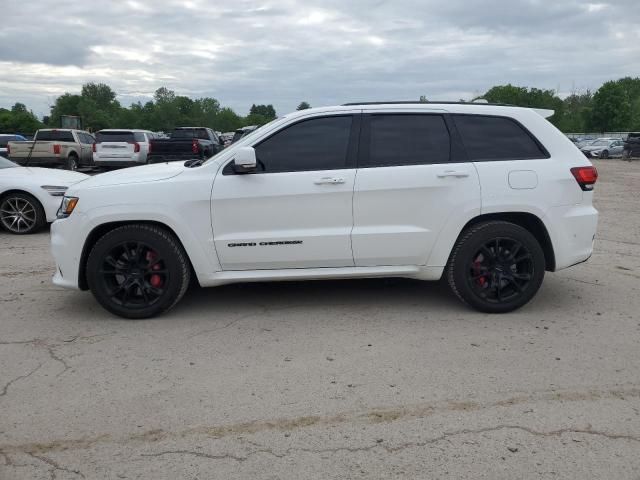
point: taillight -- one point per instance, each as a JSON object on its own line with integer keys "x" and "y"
{"x": 8, "y": 149}
{"x": 56, "y": 149}
{"x": 194, "y": 146}
{"x": 150, "y": 145}
{"x": 136, "y": 147}
{"x": 93, "y": 147}
{"x": 586, "y": 177}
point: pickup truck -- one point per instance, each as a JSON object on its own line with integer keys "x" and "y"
{"x": 185, "y": 143}
{"x": 65, "y": 148}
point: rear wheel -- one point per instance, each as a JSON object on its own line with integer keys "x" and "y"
{"x": 72, "y": 162}
{"x": 496, "y": 267}
{"x": 21, "y": 213}
{"x": 138, "y": 271}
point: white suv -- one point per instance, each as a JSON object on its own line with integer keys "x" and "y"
{"x": 490, "y": 196}
{"x": 121, "y": 148}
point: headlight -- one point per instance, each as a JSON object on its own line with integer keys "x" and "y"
{"x": 595, "y": 152}
{"x": 54, "y": 190}
{"x": 67, "y": 206}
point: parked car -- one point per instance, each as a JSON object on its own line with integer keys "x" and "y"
{"x": 362, "y": 190}
{"x": 57, "y": 147}
{"x": 227, "y": 138}
{"x": 243, "y": 132}
{"x": 631, "y": 146}
{"x": 5, "y": 138}
{"x": 30, "y": 197}
{"x": 603, "y": 148}
{"x": 185, "y": 143}
{"x": 121, "y": 147}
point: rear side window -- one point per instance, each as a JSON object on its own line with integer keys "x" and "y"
{"x": 406, "y": 140}
{"x": 316, "y": 144}
{"x": 497, "y": 138}
{"x": 55, "y": 135}
{"x": 114, "y": 137}
{"x": 139, "y": 137}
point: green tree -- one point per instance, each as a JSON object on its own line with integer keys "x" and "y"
{"x": 303, "y": 106}
{"x": 267, "y": 111}
{"x": 611, "y": 109}
{"x": 19, "y": 120}
{"x": 527, "y": 97}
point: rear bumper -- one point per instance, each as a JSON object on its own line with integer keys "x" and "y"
{"x": 131, "y": 160}
{"x": 572, "y": 230}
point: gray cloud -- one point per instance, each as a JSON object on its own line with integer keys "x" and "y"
{"x": 325, "y": 52}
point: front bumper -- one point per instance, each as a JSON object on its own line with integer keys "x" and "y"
{"x": 66, "y": 248}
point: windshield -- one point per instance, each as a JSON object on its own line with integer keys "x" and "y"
{"x": 6, "y": 163}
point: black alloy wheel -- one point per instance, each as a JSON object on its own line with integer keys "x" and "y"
{"x": 138, "y": 270}
{"x": 496, "y": 266}
{"x": 500, "y": 270}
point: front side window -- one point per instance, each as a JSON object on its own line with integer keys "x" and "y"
{"x": 496, "y": 138}
{"x": 406, "y": 139}
{"x": 316, "y": 144}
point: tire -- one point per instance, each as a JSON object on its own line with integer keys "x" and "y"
{"x": 496, "y": 283}
{"x": 71, "y": 163}
{"x": 604, "y": 154}
{"x": 138, "y": 271}
{"x": 21, "y": 213}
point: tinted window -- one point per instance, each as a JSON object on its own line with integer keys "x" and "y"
{"x": 190, "y": 133}
{"x": 55, "y": 135}
{"x": 139, "y": 137}
{"x": 4, "y": 139}
{"x": 114, "y": 137}
{"x": 496, "y": 138}
{"x": 407, "y": 140}
{"x": 317, "y": 144}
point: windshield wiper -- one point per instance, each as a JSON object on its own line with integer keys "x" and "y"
{"x": 196, "y": 162}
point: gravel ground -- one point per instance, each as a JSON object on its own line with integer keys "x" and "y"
{"x": 320, "y": 380}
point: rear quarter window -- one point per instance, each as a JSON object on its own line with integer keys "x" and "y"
{"x": 488, "y": 138}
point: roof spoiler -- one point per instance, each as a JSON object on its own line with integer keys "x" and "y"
{"x": 544, "y": 112}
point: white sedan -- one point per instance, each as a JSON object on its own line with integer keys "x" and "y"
{"x": 30, "y": 196}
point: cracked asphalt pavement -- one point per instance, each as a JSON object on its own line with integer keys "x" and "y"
{"x": 327, "y": 380}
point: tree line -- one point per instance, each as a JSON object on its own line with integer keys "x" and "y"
{"x": 615, "y": 106}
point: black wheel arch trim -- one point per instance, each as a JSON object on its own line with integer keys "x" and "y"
{"x": 102, "y": 229}
{"x": 530, "y": 222}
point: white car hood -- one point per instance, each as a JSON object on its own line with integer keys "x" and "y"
{"x": 46, "y": 176}
{"x": 143, "y": 174}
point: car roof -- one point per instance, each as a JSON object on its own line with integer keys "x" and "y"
{"x": 122, "y": 130}
{"x": 450, "y": 107}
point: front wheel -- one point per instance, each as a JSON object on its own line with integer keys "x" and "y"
{"x": 604, "y": 154}
{"x": 21, "y": 213}
{"x": 496, "y": 267}
{"x": 138, "y": 271}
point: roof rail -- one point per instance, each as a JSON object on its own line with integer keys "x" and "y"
{"x": 412, "y": 102}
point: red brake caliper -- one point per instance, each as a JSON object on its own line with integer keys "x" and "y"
{"x": 476, "y": 271}
{"x": 155, "y": 280}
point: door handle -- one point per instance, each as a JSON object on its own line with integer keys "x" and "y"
{"x": 453, "y": 173}
{"x": 329, "y": 181}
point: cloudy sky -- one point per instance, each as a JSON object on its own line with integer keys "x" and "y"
{"x": 324, "y": 52}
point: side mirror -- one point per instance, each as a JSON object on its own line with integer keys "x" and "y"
{"x": 245, "y": 160}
